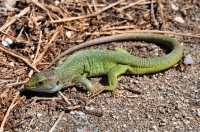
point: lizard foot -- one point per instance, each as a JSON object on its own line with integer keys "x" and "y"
{"x": 96, "y": 91}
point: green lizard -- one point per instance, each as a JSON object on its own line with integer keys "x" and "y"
{"x": 95, "y": 62}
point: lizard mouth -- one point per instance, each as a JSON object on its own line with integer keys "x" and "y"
{"x": 41, "y": 89}
{"x": 28, "y": 85}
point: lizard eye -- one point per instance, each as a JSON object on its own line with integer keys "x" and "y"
{"x": 40, "y": 84}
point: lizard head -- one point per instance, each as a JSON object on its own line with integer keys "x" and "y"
{"x": 46, "y": 81}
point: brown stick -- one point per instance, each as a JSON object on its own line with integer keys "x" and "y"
{"x": 24, "y": 59}
{"x": 162, "y": 14}
{"x": 23, "y": 12}
{"x": 90, "y": 15}
{"x": 57, "y": 121}
{"x": 143, "y": 31}
{"x": 38, "y": 48}
{"x": 152, "y": 14}
{"x": 42, "y": 7}
{"x": 130, "y": 5}
{"x": 17, "y": 83}
{"x": 8, "y": 111}
{"x": 65, "y": 98}
{"x": 46, "y": 47}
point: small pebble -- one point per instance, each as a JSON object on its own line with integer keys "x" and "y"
{"x": 162, "y": 124}
{"x": 186, "y": 122}
{"x": 4, "y": 43}
{"x": 131, "y": 111}
{"x": 136, "y": 81}
{"x": 79, "y": 113}
{"x": 198, "y": 112}
{"x": 154, "y": 127}
{"x": 188, "y": 60}
{"x": 57, "y": 2}
{"x": 174, "y": 123}
{"x": 179, "y": 106}
{"x": 7, "y": 42}
{"x": 124, "y": 125}
{"x": 179, "y": 19}
{"x": 39, "y": 114}
{"x": 174, "y": 7}
{"x": 12, "y": 64}
{"x": 89, "y": 108}
{"x": 72, "y": 112}
{"x": 69, "y": 34}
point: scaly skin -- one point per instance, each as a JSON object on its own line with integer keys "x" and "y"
{"x": 95, "y": 62}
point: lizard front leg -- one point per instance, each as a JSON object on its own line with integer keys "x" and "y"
{"x": 85, "y": 82}
{"x": 113, "y": 73}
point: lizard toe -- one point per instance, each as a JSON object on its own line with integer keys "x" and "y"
{"x": 96, "y": 91}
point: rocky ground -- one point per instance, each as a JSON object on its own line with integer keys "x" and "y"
{"x": 165, "y": 101}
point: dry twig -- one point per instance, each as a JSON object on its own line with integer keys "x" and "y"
{"x": 46, "y": 47}
{"x": 130, "y": 5}
{"x": 65, "y": 98}
{"x": 152, "y": 14}
{"x": 8, "y": 111}
{"x": 143, "y": 31}
{"x": 46, "y": 98}
{"x": 17, "y": 83}
{"x": 24, "y": 59}
{"x": 162, "y": 14}
{"x": 16, "y": 17}
{"x": 45, "y": 9}
{"x": 90, "y": 15}
{"x": 38, "y": 48}
{"x": 57, "y": 121}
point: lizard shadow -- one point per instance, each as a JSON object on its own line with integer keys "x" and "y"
{"x": 30, "y": 94}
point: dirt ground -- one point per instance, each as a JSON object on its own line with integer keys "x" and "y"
{"x": 165, "y": 101}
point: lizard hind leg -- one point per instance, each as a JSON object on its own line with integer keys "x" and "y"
{"x": 113, "y": 73}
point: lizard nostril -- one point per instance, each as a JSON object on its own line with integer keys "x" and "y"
{"x": 40, "y": 84}
{"x": 26, "y": 84}
{"x": 57, "y": 83}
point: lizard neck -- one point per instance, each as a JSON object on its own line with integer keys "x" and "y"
{"x": 56, "y": 88}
